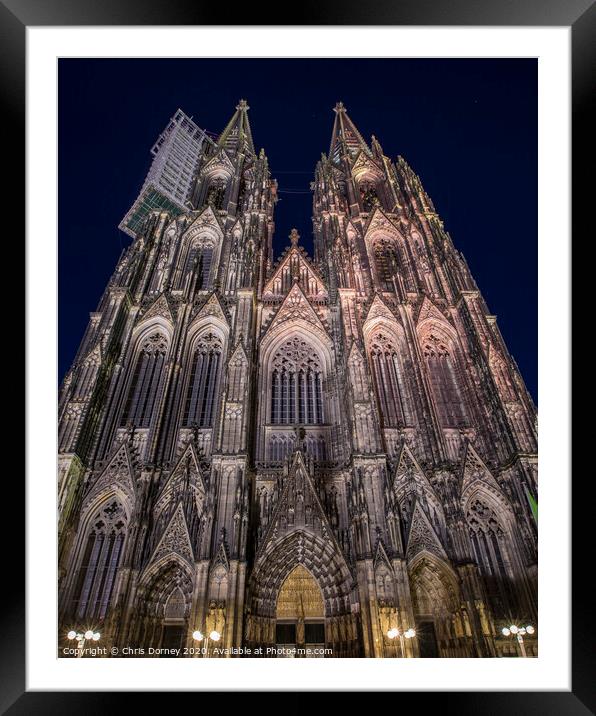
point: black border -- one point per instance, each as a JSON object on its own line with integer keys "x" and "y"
{"x": 580, "y": 15}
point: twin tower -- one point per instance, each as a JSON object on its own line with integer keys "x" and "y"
{"x": 296, "y": 453}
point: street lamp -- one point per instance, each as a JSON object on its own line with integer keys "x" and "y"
{"x": 82, "y": 637}
{"x": 518, "y": 632}
{"x": 408, "y": 634}
{"x": 199, "y": 636}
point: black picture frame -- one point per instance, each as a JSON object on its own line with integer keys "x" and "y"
{"x": 580, "y": 15}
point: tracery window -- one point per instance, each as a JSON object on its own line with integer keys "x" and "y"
{"x": 204, "y": 267}
{"x": 443, "y": 380}
{"x": 143, "y": 390}
{"x": 489, "y": 544}
{"x": 101, "y": 556}
{"x": 280, "y": 446}
{"x": 385, "y": 264}
{"x": 316, "y": 447}
{"x": 368, "y": 196}
{"x": 389, "y": 381}
{"x": 216, "y": 192}
{"x": 204, "y": 379}
{"x": 296, "y": 385}
{"x": 198, "y": 261}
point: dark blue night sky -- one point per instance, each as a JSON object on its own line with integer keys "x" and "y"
{"x": 467, "y": 127}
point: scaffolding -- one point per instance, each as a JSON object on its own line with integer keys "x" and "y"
{"x": 170, "y": 181}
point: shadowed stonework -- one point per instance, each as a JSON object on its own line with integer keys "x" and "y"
{"x": 303, "y": 453}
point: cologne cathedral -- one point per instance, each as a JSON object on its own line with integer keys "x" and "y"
{"x": 319, "y": 453}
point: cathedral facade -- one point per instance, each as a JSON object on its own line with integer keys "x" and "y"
{"x": 297, "y": 452}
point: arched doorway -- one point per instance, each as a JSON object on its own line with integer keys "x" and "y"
{"x": 174, "y": 623}
{"x": 442, "y": 630}
{"x": 300, "y": 616}
{"x": 162, "y": 607}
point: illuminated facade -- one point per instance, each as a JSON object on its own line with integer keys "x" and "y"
{"x": 297, "y": 452}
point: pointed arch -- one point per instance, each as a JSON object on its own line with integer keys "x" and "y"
{"x": 384, "y": 577}
{"x": 442, "y": 359}
{"x": 369, "y": 184}
{"x": 442, "y": 622}
{"x": 297, "y": 373}
{"x": 205, "y": 375}
{"x": 295, "y": 369}
{"x": 300, "y": 595}
{"x": 434, "y": 585}
{"x": 97, "y": 557}
{"x": 388, "y": 253}
{"x": 198, "y": 253}
{"x": 319, "y": 557}
{"x": 490, "y": 520}
{"x": 168, "y": 579}
{"x": 175, "y": 604}
{"x": 204, "y": 361}
{"x": 146, "y": 372}
{"x": 386, "y": 349}
{"x": 216, "y": 179}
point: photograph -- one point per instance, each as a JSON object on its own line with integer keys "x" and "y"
{"x": 297, "y": 358}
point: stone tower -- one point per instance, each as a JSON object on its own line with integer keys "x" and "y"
{"x": 298, "y": 453}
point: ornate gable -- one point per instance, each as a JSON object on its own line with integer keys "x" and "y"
{"x": 429, "y": 310}
{"x": 212, "y": 307}
{"x": 355, "y": 354}
{"x": 175, "y": 539}
{"x": 379, "y": 221}
{"x": 236, "y": 227}
{"x": 206, "y": 219}
{"x": 239, "y": 356}
{"x": 422, "y": 536}
{"x": 296, "y": 306}
{"x": 381, "y": 556}
{"x": 379, "y": 309}
{"x": 160, "y": 307}
{"x": 364, "y": 164}
{"x": 296, "y": 263}
{"x": 185, "y": 475}
{"x": 408, "y": 471}
{"x": 221, "y": 558}
{"x": 117, "y": 475}
{"x": 219, "y": 163}
{"x": 407, "y": 468}
{"x": 474, "y": 470}
{"x": 352, "y": 231}
{"x": 298, "y": 509}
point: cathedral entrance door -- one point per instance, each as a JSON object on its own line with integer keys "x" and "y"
{"x": 171, "y": 638}
{"x": 300, "y": 627}
{"x": 427, "y": 639}
{"x": 174, "y": 624}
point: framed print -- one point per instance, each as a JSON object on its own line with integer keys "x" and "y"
{"x": 285, "y": 405}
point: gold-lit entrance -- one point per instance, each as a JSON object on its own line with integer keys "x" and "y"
{"x": 300, "y": 615}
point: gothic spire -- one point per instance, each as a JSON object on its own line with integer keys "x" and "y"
{"x": 237, "y": 135}
{"x": 345, "y": 136}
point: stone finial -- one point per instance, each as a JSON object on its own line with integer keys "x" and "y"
{"x": 294, "y": 237}
{"x": 242, "y": 104}
{"x": 339, "y": 107}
